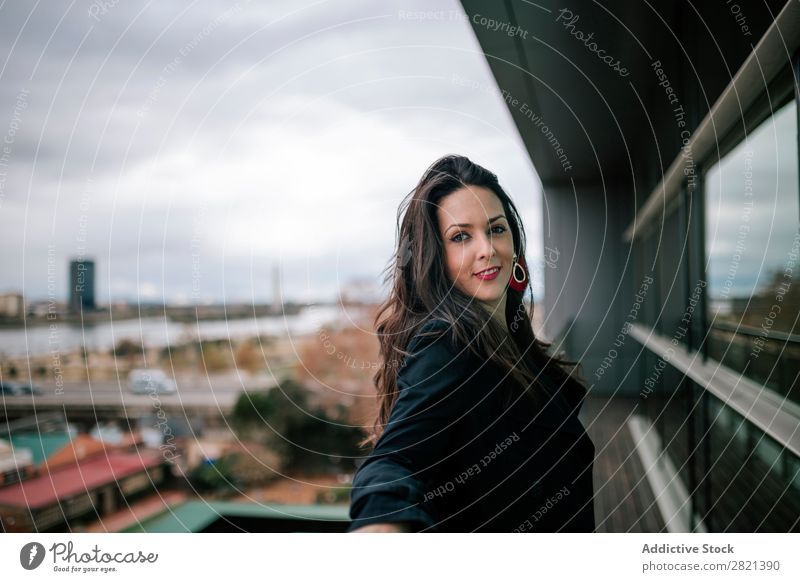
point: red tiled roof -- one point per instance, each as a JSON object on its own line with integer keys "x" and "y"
{"x": 66, "y": 482}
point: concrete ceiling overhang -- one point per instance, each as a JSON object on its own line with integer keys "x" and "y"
{"x": 577, "y": 76}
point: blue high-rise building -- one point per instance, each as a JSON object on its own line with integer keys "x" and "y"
{"x": 81, "y": 285}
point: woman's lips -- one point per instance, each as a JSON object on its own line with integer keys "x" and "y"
{"x": 489, "y": 274}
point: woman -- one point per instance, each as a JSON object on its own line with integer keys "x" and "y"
{"x": 477, "y": 427}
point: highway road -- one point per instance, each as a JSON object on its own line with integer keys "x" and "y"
{"x": 195, "y": 392}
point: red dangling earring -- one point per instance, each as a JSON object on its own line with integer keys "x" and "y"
{"x": 519, "y": 274}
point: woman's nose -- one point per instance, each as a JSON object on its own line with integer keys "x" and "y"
{"x": 487, "y": 247}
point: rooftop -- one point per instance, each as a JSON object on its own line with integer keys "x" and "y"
{"x": 78, "y": 478}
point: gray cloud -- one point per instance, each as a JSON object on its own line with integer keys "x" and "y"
{"x": 285, "y": 133}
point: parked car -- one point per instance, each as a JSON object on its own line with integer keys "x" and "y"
{"x": 150, "y": 381}
{"x": 29, "y": 388}
{"x": 9, "y": 388}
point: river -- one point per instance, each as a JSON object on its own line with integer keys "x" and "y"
{"x": 157, "y": 332}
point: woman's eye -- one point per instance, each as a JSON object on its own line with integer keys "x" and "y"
{"x": 460, "y": 237}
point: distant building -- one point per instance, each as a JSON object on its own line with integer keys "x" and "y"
{"x": 12, "y": 305}
{"x": 15, "y": 463}
{"x": 81, "y": 285}
{"x": 43, "y": 308}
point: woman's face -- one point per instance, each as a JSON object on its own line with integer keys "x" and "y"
{"x": 476, "y": 237}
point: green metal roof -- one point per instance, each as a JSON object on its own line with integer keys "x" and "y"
{"x": 194, "y": 516}
{"x": 41, "y": 445}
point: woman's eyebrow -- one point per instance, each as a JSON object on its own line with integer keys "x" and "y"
{"x": 464, "y": 224}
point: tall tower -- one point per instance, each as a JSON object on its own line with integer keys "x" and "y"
{"x": 277, "y": 299}
{"x": 81, "y": 285}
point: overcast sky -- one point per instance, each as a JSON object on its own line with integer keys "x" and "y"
{"x": 190, "y": 147}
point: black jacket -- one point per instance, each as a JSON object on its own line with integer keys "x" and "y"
{"x": 454, "y": 457}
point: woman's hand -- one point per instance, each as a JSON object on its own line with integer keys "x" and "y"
{"x": 383, "y": 528}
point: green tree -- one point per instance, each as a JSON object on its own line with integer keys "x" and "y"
{"x": 214, "y": 475}
{"x": 127, "y": 348}
{"x": 305, "y": 438}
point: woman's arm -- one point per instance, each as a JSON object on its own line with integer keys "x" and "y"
{"x": 399, "y": 527}
{"x": 390, "y": 486}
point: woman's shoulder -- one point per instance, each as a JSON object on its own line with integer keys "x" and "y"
{"x": 438, "y": 332}
{"x": 433, "y": 349}
{"x": 433, "y": 326}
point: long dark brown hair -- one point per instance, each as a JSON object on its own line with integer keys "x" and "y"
{"x": 420, "y": 290}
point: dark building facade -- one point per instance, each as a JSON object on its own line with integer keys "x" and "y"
{"x": 666, "y": 138}
{"x": 81, "y": 285}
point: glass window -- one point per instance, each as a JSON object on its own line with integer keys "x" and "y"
{"x": 753, "y": 289}
{"x": 670, "y": 280}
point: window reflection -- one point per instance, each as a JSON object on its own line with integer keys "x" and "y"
{"x": 752, "y": 242}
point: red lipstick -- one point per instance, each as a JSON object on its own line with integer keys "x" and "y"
{"x": 488, "y": 274}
